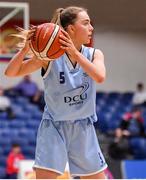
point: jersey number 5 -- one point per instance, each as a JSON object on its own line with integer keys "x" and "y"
{"x": 62, "y": 78}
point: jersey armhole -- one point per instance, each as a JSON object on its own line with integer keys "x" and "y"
{"x": 92, "y": 58}
{"x": 44, "y": 72}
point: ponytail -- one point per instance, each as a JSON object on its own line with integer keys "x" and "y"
{"x": 56, "y": 16}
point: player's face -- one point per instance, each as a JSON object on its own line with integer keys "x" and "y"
{"x": 83, "y": 28}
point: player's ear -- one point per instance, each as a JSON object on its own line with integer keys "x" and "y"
{"x": 70, "y": 29}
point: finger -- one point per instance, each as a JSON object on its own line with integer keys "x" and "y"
{"x": 31, "y": 33}
{"x": 63, "y": 37}
{"x": 65, "y": 33}
{"x": 29, "y": 36}
{"x": 32, "y": 27}
{"x": 32, "y": 30}
{"x": 62, "y": 30}
{"x": 64, "y": 48}
{"x": 64, "y": 43}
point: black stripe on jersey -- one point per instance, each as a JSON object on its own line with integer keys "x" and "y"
{"x": 93, "y": 55}
{"x": 43, "y": 71}
{"x": 75, "y": 65}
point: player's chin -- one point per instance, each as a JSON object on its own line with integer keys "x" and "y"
{"x": 87, "y": 41}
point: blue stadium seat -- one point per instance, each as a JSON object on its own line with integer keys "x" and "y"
{"x": 36, "y": 115}
{"x": 29, "y": 151}
{"x": 5, "y": 132}
{"x": 1, "y": 150}
{"x": 100, "y": 94}
{"x": 3, "y": 161}
{"x": 102, "y": 122}
{"x": 138, "y": 146}
{"x": 127, "y": 97}
{"x": 133, "y": 128}
{"x": 108, "y": 109}
{"x": 27, "y": 134}
{"x": 4, "y": 142}
{"x": 32, "y": 124}
{"x": 3, "y": 116}
{"x": 6, "y": 150}
{"x": 31, "y": 108}
{"x": 9, "y": 133}
{"x": 2, "y": 172}
{"x": 114, "y": 95}
{"x": 16, "y": 124}
{"x": 17, "y": 107}
{"x": 3, "y": 123}
{"x": 101, "y": 102}
{"x": 21, "y": 101}
{"x": 19, "y": 140}
{"x": 23, "y": 115}
{"x": 32, "y": 142}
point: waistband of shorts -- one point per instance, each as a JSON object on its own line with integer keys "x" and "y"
{"x": 90, "y": 119}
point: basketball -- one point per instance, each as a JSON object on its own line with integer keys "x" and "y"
{"x": 45, "y": 42}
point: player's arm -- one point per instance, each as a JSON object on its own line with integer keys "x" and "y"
{"x": 20, "y": 67}
{"x": 98, "y": 62}
{"x": 96, "y": 69}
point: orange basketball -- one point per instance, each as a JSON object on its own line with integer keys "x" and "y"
{"x": 45, "y": 41}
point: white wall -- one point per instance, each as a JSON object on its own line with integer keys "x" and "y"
{"x": 125, "y": 59}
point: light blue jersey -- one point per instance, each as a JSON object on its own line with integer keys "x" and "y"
{"x": 66, "y": 132}
{"x": 69, "y": 92}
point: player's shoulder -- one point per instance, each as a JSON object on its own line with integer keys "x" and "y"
{"x": 95, "y": 50}
{"x": 98, "y": 52}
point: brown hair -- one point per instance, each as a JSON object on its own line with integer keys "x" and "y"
{"x": 66, "y": 16}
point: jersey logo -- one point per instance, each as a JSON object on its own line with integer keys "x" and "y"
{"x": 85, "y": 74}
{"x": 77, "y": 95}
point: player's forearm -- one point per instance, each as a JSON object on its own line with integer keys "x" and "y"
{"x": 15, "y": 63}
{"x": 97, "y": 73}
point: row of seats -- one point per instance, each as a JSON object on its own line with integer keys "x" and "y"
{"x": 19, "y": 123}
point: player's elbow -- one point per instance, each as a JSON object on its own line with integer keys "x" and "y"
{"x": 101, "y": 79}
{"x": 100, "y": 75}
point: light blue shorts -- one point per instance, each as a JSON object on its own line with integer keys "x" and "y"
{"x": 72, "y": 141}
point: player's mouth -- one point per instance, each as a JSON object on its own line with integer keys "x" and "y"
{"x": 89, "y": 36}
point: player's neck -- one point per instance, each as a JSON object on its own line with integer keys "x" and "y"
{"x": 77, "y": 45}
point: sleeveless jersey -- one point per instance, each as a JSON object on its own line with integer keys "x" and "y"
{"x": 69, "y": 92}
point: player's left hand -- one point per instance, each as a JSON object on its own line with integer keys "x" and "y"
{"x": 67, "y": 44}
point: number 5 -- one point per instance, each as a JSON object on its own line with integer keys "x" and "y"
{"x": 62, "y": 78}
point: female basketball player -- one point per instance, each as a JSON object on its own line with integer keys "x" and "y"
{"x": 66, "y": 132}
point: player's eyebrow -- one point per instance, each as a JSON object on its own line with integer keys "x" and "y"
{"x": 86, "y": 20}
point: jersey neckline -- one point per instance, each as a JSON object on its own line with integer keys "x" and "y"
{"x": 70, "y": 65}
